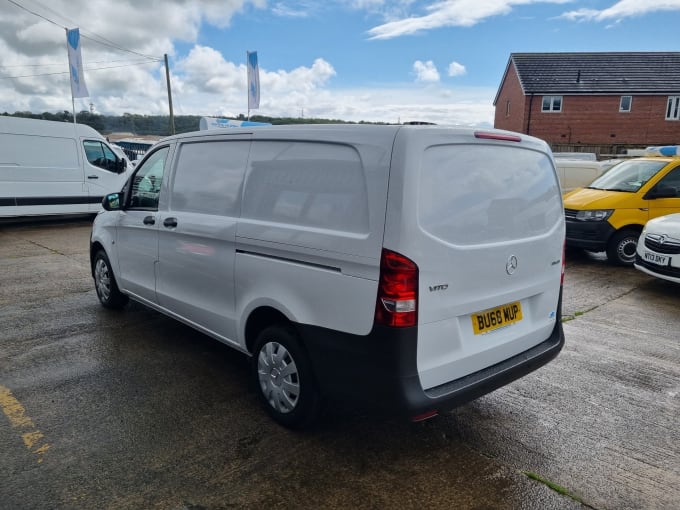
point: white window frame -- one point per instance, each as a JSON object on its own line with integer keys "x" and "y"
{"x": 673, "y": 108}
{"x": 553, "y": 100}
{"x": 630, "y": 104}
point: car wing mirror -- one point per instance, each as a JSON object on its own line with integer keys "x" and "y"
{"x": 112, "y": 201}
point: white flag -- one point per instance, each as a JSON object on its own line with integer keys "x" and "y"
{"x": 253, "y": 81}
{"x": 75, "y": 64}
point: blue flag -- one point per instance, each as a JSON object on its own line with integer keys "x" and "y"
{"x": 253, "y": 80}
{"x": 75, "y": 64}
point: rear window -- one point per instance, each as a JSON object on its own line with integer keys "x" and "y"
{"x": 477, "y": 194}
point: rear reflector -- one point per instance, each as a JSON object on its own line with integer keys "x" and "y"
{"x": 497, "y": 136}
{"x": 397, "y": 303}
{"x": 424, "y": 416}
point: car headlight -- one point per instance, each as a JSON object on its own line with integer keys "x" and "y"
{"x": 594, "y": 215}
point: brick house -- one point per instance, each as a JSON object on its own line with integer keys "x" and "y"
{"x": 605, "y": 101}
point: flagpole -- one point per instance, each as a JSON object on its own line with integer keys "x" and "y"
{"x": 248, "y": 82}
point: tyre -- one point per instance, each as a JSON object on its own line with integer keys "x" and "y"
{"x": 284, "y": 377}
{"x": 622, "y": 247}
{"x": 105, "y": 283}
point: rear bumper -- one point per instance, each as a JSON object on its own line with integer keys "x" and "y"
{"x": 589, "y": 235}
{"x": 378, "y": 372}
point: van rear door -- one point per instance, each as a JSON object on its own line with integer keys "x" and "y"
{"x": 481, "y": 216}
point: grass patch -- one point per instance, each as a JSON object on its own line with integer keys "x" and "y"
{"x": 557, "y": 488}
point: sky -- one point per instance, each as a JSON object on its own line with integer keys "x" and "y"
{"x": 390, "y": 61}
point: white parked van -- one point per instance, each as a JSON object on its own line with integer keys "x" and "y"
{"x": 404, "y": 268}
{"x": 55, "y": 168}
{"x": 577, "y": 173}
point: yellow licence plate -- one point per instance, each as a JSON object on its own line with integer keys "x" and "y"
{"x": 494, "y": 318}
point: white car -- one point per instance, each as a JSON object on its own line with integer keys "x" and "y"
{"x": 658, "y": 250}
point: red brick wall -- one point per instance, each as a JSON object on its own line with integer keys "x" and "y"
{"x": 597, "y": 120}
{"x": 511, "y": 90}
{"x": 590, "y": 120}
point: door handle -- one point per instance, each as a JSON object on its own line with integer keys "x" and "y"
{"x": 149, "y": 220}
{"x": 170, "y": 222}
{"x": 93, "y": 177}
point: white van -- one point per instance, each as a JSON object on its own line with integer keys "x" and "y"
{"x": 55, "y": 168}
{"x": 577, "y": 173}
{"x": 408, "y": 269}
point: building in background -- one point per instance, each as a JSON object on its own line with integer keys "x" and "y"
{"x": 596, "y": 102}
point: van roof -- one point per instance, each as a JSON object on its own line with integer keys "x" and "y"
{"x": 20, "y": 125}
{"x": 348, "y": 129}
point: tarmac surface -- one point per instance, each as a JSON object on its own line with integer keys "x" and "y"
{"x": 130, "y": 409}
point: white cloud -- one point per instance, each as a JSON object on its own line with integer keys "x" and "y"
{"x": 297, "y": 9}
{"x": 456, "y": 69}
{"x": 426, "y": 71}
{"x": 450, "y": 13}
{"x": 34, "y": 66}
{"x": 623, "y": 9}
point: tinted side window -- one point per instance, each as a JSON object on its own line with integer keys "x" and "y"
{"x": 671, "y": 180}
{"x": 98, "y": 154}
{"x": 310, "y": 184}
{"x": 209, "y": 177}
{"x": 146, "y": 182}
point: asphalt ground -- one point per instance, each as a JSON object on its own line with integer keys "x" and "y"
{"x": 104, "y": 409}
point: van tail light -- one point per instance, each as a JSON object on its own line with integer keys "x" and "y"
{"x": 397, "y": 303}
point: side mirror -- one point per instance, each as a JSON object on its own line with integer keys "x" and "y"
{"x": 121, "y": 165}
{"x": 112, "y": 201}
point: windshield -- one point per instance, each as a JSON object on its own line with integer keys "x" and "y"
{"x": 628, "y": 176}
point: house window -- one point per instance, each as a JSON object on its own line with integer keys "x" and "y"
{"x": 673, "y": 108}
{"x": 552, "y": 104}
{"x": 507, "y": 108}
{"x": 626, "y": 103}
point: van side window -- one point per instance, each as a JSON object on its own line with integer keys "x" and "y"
{"x": 309, "y": 184}
{"x": 146, "y": 182}
{"x": 671, "y": 180}
{"x": 99, "y": 154}
{"x": 209, "y": 176}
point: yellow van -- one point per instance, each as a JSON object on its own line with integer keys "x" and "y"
{"x": 610, "y": 213}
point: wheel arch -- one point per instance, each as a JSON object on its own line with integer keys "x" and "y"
{"x": 631, "y": 226}
{"x": 259, "y": 319}
{"x": 95, "y": 246}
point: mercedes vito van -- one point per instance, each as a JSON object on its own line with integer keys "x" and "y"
{"x": 405, "y": 269}
{"x": 51, "y": 167}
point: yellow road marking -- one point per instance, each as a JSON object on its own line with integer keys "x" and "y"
{"x": 16, "y": 414}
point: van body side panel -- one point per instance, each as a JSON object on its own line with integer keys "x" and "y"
{"x": 483, "y": 221}
{"x": 311, "y": 227}
{"x": 305, "y": 291}
{"x": 40, "y": 172}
